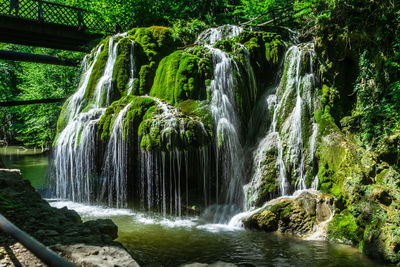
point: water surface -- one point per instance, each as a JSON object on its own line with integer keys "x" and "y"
{"x": 172, "y": 241}
{"x": 32, "y": 163}
{"x": 157, "y": 241}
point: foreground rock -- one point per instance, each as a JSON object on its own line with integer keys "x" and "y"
{"x": 88, "y": 256}
{"x": 58, "y": 228}
{"x": 303, "y": 215}
{"x": 17, "y": 252}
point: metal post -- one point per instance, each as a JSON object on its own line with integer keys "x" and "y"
{"x": 40, "y": 11}
{"x": 39, "y": 250}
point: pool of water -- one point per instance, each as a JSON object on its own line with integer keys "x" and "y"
{"x": 157, "y": 241}
{"x": 154, "y": 240}
{"x": 32, "y": 163}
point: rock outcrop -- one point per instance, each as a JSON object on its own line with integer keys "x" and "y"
{"x": 61, "y": 229}
{"x": 302, "y": 215}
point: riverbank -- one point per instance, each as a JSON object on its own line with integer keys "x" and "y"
{"x": 60, "y": 229}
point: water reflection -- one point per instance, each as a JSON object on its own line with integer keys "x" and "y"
{"x": 32, "y": 163}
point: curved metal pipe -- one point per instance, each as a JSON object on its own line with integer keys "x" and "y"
{"x": 46, "y": 255}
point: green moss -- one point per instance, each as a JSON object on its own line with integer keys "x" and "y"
{"x": 277, "y": 208}
{"x": 144, "y": 120}
{"x": 98, "y": 70}
{"x": 155, "y": 43}
{"x": 344, "y": 228}
{"x": 273, "y": 51}
{"x": 181, "y": 132}
{"x": 285, "y": 212}
{"x": 121, "y": 74}
{"x": 263, "y": 43}
{"x": 181, "y": 76}
{"x": 63, "y": 118}
{"x": 135, "y": 114}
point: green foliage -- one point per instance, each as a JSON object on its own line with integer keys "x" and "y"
{"x": 33, "y": 125}
{"x": 187, "y": 31}
{"x": 139, "y": 13}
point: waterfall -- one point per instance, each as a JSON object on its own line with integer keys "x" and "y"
{"x": 229, "y": 165}
{"x": 114, "y": 174}
{"x": 132, "y": 72}
{"x": 293, "y": 105}
{"x": 172, "y": 177}
{"x": 213, "y": 35}
{"x": 164, "y": 176}
{"x": 75, "y": 147}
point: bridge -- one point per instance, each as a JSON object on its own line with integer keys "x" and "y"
{"x": 44, "y": 24}
{"x": 51, "y": 25}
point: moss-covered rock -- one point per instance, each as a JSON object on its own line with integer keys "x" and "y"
{"x": 343, "y": 228}
{"x": 296, "y": 216}
{"x": 257, "y": 56}
{"x": 266, "y": 184}
{"x": 166, "y": 128}
{"x": 182, "y": 75}
{"x": 158, "y": 125}
{"x": 155, "y": 42}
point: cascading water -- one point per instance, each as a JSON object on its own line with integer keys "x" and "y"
{"x": 132, "y": 72}
{"x": 114, "y": 173}
{"x": 229, "y": 148}
{"x": 161, "y": 180}
{"x": 288, "y": 144}
{"x": 164, "y": 176}
{"x": 213, "y": 35}
{"x": 222, "y": 104}
{"x": 75, "y": 146}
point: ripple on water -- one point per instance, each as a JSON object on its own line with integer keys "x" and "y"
{"x": 172, "y": 241}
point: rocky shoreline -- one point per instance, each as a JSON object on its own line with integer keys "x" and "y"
{"x": 84, "y": 243}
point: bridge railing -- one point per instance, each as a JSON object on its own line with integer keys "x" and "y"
{"x": 277, "y": 16}
{"x": 52, "y": 13}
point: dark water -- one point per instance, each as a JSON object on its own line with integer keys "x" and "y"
{"x": 157, "y": 241}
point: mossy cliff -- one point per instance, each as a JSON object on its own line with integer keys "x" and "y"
{"x": 145, "y": 47}
{"x": 155, "y": 42}
{"x": 358, "y": 143}
{"x": 169, "y": 112}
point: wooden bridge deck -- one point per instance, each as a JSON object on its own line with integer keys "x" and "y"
{"x": 40, "y": 23}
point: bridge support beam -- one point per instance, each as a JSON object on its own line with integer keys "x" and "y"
{"x": 27, "y": 32}
{"x": 35, "y": 58}
{"x": 31, "y": 102}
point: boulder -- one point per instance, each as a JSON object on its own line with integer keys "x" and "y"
{"x": 299, "y": 215}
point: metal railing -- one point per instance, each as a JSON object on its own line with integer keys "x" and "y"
{"x": 52, "y": 13}
{"x": 39, "y": 250}
{"x": 277, "y": 16}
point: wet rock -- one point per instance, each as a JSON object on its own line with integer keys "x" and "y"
{"x": 389, "y": 150}
{"x": 96, "y": 256}
{"x": 299, "y": 215}
{"x": 104, "y": 226}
